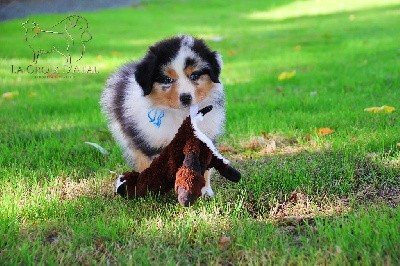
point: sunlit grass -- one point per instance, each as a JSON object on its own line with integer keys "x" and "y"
{"x": 297, "y": 9}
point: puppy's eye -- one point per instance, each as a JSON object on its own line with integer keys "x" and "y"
{"x": 194, "y": 76}
{"x": 167, "y": 80}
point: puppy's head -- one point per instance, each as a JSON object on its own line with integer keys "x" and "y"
{"x": 178, "y": 72}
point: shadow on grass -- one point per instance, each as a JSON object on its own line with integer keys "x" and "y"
{"x": 320, "y": 174}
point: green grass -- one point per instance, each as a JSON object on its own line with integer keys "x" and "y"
{"x": 312, "y": 200}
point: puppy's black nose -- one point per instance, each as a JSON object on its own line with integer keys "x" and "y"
{"x": 186, "y": 99}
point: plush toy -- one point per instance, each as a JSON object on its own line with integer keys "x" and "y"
{"x": 180, "y": 165}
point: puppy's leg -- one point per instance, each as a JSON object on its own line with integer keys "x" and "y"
{"x": 207, "y": 188}
{"x": 136, "y": 159}
{"x": 141, "y": 161}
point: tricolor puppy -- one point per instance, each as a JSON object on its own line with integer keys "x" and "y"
{"x": 146, "y": 101}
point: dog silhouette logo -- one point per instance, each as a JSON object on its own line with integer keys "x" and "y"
{"x": 68, "y": 36}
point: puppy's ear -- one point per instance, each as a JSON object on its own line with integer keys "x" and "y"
{"x": 219, "y": 60}
{"x": 216, "y": 66}
{"x": 144, "y": 72}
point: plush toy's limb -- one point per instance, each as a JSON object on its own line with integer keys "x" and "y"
{"x": 132, "y": 184}
{"x": 225, "y": 169}
{"x": 126, "y": 184}
{"x": 120, "y": 186}
{"x": 154, "y": 179}
{"x": 207, "y": 188}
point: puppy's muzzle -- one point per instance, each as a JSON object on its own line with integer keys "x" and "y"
{"x": 186, "y": 99}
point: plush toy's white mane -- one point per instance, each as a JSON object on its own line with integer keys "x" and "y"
{"x": 195, "y": 117}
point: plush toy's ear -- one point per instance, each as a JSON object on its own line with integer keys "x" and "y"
{"x": 145, "y": 71}
{"x": 205, "y": 110}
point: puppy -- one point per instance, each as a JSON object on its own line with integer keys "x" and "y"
{"x": 146, "y": 101}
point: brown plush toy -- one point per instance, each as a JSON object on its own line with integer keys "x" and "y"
{"x": 180, "y": 165}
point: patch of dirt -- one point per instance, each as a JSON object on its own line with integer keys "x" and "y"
{"x": 67, "y": 188}
{"x": 224, "y": 242}
{"x": 387, "y": 194}
{"x": 296, "y": 209}
{"x": 388, "y": 160}
{"x": 268, "y": 144}
{"x": 300, "y": 209}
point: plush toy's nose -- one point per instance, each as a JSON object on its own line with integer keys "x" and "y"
{"x": 185, "y": 198}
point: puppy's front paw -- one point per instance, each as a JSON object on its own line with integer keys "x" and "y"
{"x": 207, "y": 191}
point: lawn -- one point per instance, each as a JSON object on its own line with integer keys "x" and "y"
{"x": 321, "y": 176}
